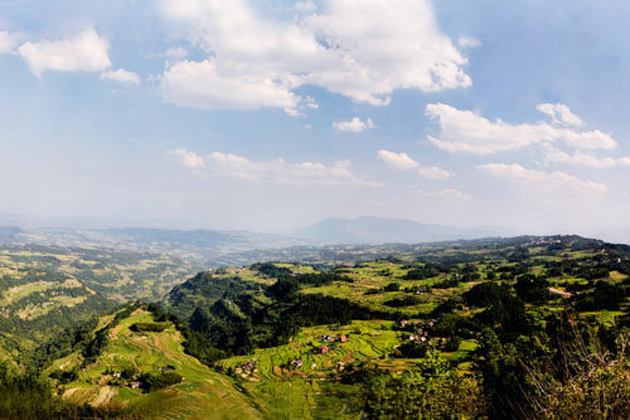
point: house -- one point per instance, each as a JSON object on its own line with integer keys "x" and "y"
{"x": 249, "y": 366}
{"x": 134, "y": 385}
{"x": 343, "y": 338}
{"x": 323, "y": 350}
{"x": 168, "y": 368}
{"x": 296, "y": 363}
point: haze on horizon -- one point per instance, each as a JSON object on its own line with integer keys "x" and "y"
{"x": 274, "y": 115}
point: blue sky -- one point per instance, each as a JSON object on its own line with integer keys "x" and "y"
{"x": 273, "y": 114}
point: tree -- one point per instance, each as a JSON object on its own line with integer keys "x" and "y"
{"x": 532, "y": 289}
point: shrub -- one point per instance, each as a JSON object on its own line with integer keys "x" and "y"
{"x": 403, "y": 302}
{"x": 150, "y": 382}
{"x": 149, "y": 327}
{"x": 392, "y": 287}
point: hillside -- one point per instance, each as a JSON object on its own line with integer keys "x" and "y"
{"x": 267, "y": 323}
{"x": 127, "y": 371}
{"x": 46, "y": 289}
{"x": 463, "y": 329}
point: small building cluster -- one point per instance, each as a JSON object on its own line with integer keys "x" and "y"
{"x": 248, "y": 371}
{"x": 419, "y": 329}
{"x": 407, "y": 325}
{"x": 342, "y": 338}
{"x": 326, "y": 338}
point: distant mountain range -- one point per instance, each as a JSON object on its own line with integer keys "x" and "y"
{"x": 369, "y": 230}
{"x": 216, "y": 247}
{"x": 208, "y": 247}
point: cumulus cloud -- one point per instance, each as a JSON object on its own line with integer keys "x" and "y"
{"x": 554, "y": 183}
{"x": 121, "y": 76}
{"x": 433, "y": 172}
{"x": 379, "y": 50}
{"x": 468, "y": 42}
{"x": 86, "y": 51}
{"x": 206, "y": 85}
{"x": 397, "y": 160}
{"x": 8, "y": 42}
{"x": 560, "y": 114}
{"x": 188, "y": 159}
{"x": 466, "y": 131}
{"x": 403, "y": 161}
{"x": 356, "y": 125}
{"x": 448, "y": 194}
{"x": 274, "y": 171}
{"x": 553, "y": 155}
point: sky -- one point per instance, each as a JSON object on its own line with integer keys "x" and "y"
{"x": 269, "y": 115}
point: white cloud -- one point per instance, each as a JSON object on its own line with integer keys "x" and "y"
{"x": 121, "y": 76}
{"x": 588, "y": 139}
{"x": 403, "y": 161}
{"x": 86, "y": 51}
{"x": 540, "y": 182}
{"x": 8, "y": 42}
{"x": 560, "y": 114}
{"x": 205, "y": 85}
{"x": 356, "y": 125}
{"x": 397, "y": 160}
{"x": 379, "y": 50}
{"x": 465, "y": 131}
{"x": 275, "y": 171}
{"x": 188, "y": 159}
{"x": 176, "y": 53}
{"x": 433, "y": 172}
{"x": 448, "y": 194}
{"x": 553, "y": 155}
{"x": 468, "y": 42}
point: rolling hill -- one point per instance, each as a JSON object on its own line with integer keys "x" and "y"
{"x": 464, "y": 329}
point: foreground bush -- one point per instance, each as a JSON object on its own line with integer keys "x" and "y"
{"x": 597, "y": 388}
{"x": 436, "y": 392}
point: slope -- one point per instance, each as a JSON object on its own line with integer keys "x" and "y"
{"x": 119, "y": 375}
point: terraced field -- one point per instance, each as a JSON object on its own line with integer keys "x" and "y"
{"x": 119, "y": 275}
{"x": 298, "y": 381}
{"x": 46, "y": 289}
{"x": 202, "y": 393}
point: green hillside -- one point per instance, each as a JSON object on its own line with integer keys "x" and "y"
{"x": 44, "y": 290}
{"x": 494, "y": 328}
{"x": 202, "y": 393}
